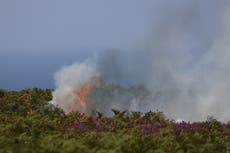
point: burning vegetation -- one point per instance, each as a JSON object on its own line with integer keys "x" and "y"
{"x": 99, "y": 96}
{"x": 80, "y": 100}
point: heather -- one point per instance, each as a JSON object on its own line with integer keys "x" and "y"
{"x": 29, "y": 124}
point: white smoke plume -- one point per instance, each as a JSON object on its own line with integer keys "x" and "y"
{"x": 184, "y": 65}
{"x": 69, "y": 80}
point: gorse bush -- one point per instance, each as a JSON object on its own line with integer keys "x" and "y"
{"x": 29, "y": 124}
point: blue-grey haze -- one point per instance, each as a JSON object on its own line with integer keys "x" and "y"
{"x": 38, "y": 37}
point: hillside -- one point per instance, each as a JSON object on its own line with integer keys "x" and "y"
{"x": 29, "y": 124}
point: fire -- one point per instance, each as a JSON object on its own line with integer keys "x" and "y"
{"x": 80, "y": 99}
{"x": 81, "y": 96}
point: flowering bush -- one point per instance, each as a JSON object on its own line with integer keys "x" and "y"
{"x": 29, "y": 124}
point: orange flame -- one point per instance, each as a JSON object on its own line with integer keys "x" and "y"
{"x": 80, "y": 99}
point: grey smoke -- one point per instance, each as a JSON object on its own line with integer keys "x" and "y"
{"x": 184, "y": 63}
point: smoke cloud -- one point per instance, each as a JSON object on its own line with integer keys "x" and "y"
{"x": 182, "y": 68}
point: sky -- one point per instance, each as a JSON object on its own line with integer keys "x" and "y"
{"x": 39, "y": 37}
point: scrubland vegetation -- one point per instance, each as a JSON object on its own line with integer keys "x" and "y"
{"x": 29, "y": 124}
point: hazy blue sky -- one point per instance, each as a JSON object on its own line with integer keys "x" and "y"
{"x": 38, "y": 37}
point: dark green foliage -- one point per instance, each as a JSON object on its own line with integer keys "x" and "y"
{"x": 29, "y": 124}
{"x": 2, "y": 93}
